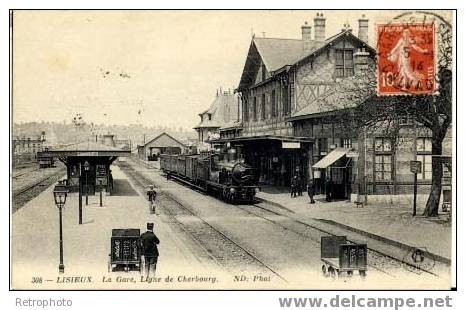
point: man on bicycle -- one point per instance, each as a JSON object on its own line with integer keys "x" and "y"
{"x": 151, "y": 195}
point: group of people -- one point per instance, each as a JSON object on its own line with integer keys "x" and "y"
{"x": 297, "y": 187}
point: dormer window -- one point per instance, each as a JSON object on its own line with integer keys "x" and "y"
{"x": 344, "y": 64}
{"x": 209, "y": 116}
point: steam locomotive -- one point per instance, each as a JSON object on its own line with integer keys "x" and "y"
{"x": 227, "y": 178}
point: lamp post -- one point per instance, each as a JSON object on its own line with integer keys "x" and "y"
{"x": 100, "y": 189}
{"x": 59, "y": 194}
{"x": 86, "y": 169}
{"x": 80, "y": 196}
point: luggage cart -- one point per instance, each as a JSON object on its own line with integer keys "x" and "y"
{"x": 125, "y": 253}
{"x": 340, "y": 257}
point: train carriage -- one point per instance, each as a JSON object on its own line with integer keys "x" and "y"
{"x": 181, "y": 165}
{"x": 202, "y": 171}
{"x": 173, "y": 163}
{"x": 191, "y": 161}
{"x": 163, "y": 163}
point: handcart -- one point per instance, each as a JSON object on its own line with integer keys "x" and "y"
{"x": 125, "y": 253}
{"x": 341, "y": 257}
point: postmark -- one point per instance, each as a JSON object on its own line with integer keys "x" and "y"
{"x": 418, "y": 260}
{"x": 406, "y": 59}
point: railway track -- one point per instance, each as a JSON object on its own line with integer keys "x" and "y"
{"x": 19, "y": 174}
{"x": 223, "y": 249}
{"x": 377, "y": 260}
{"x": 25, "y": 194}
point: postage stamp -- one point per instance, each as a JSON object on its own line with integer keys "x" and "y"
{"x": 406, "y": 59}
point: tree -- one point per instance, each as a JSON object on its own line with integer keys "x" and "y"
{"x": 361, "y": 107}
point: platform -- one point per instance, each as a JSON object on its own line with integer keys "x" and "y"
{"x": 35, "y": 241}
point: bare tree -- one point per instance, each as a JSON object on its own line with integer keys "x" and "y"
{"x": 357, "y": 106}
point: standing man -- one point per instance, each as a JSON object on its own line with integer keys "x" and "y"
{"x": 310, "y": 190}
{"x": 151, "y": 195}
{"x": 329, "y": 189}
{"x": 300, "y": 185}
{"x": 148, "y": 243}
{"x": 294, "y": 186}
{"x": 110, "y": 179}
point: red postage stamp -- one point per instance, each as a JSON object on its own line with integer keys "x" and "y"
{"x": 406, "y": 60}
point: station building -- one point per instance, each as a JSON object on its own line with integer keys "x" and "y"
{"x": 161, "y": 144}
{"x": 281, "y": 77}
{"x": 293, "y": 121}
{"x": 89, "y": 161}
{"x": 25, "y": 149}
{"x": 223, "y": 111}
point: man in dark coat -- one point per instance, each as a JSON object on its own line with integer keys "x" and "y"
{"x": 294, "y": 186}
{"x": 300, "y": 186}
{"x": 148, "y": 243}
{"x": 329, "y": 190}
{"x": 151, "y": 195}
{"x": 310, "y": 190}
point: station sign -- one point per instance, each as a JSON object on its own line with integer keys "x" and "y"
{"x": 88, "y": 154}
{"x": 415, "y": 166}
{"x": 291, "y": 145}
{"x": 352, "y": 154}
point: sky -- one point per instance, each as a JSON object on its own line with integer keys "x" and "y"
{"x": 148, "y": 67}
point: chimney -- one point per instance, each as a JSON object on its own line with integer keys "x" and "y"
{"x": 363, "y": 32}
{"x": 307, "y": 38}
{"x": 319, "y": 27}
{"x": 361, "y": 61}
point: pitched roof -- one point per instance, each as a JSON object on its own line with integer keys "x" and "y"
{"x": 279, "y": 53}
{"x": 219, "y": 110}
{"x": 87, "y": 146}
{"x": 162, "y": 134}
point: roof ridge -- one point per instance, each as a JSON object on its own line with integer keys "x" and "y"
{"x": 279, "y": 39}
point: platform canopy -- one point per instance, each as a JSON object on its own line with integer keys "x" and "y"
{"x": 330, "y": 158}
{"x": 87, "y": 149}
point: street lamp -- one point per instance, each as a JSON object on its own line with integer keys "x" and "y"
{"x": 86, "y": 169}
{"x": 59, "y": 194}
{"x": 100, "y": 188}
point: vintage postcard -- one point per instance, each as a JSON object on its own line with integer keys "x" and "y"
{"x": 232, "y": 150}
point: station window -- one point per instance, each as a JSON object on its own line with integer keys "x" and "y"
{"x": 323, "y": 145}
{"x": 424, "y": 155}
{"x": 263, "y": 105}
{"x": 426, "y": 166}
{"x": 383, "y": 166}
{"x": 346, "y": 143}
{"x": 285, "y": 100}
{"x": 424, "y": 145}
{"x": 246, "y": 111}
{"x": 254, "y": 109}
{"x": 273, "y": 104}
{"x": 344, "y": 64}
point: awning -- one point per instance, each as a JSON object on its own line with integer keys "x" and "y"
{"x": 330, "y": 158}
